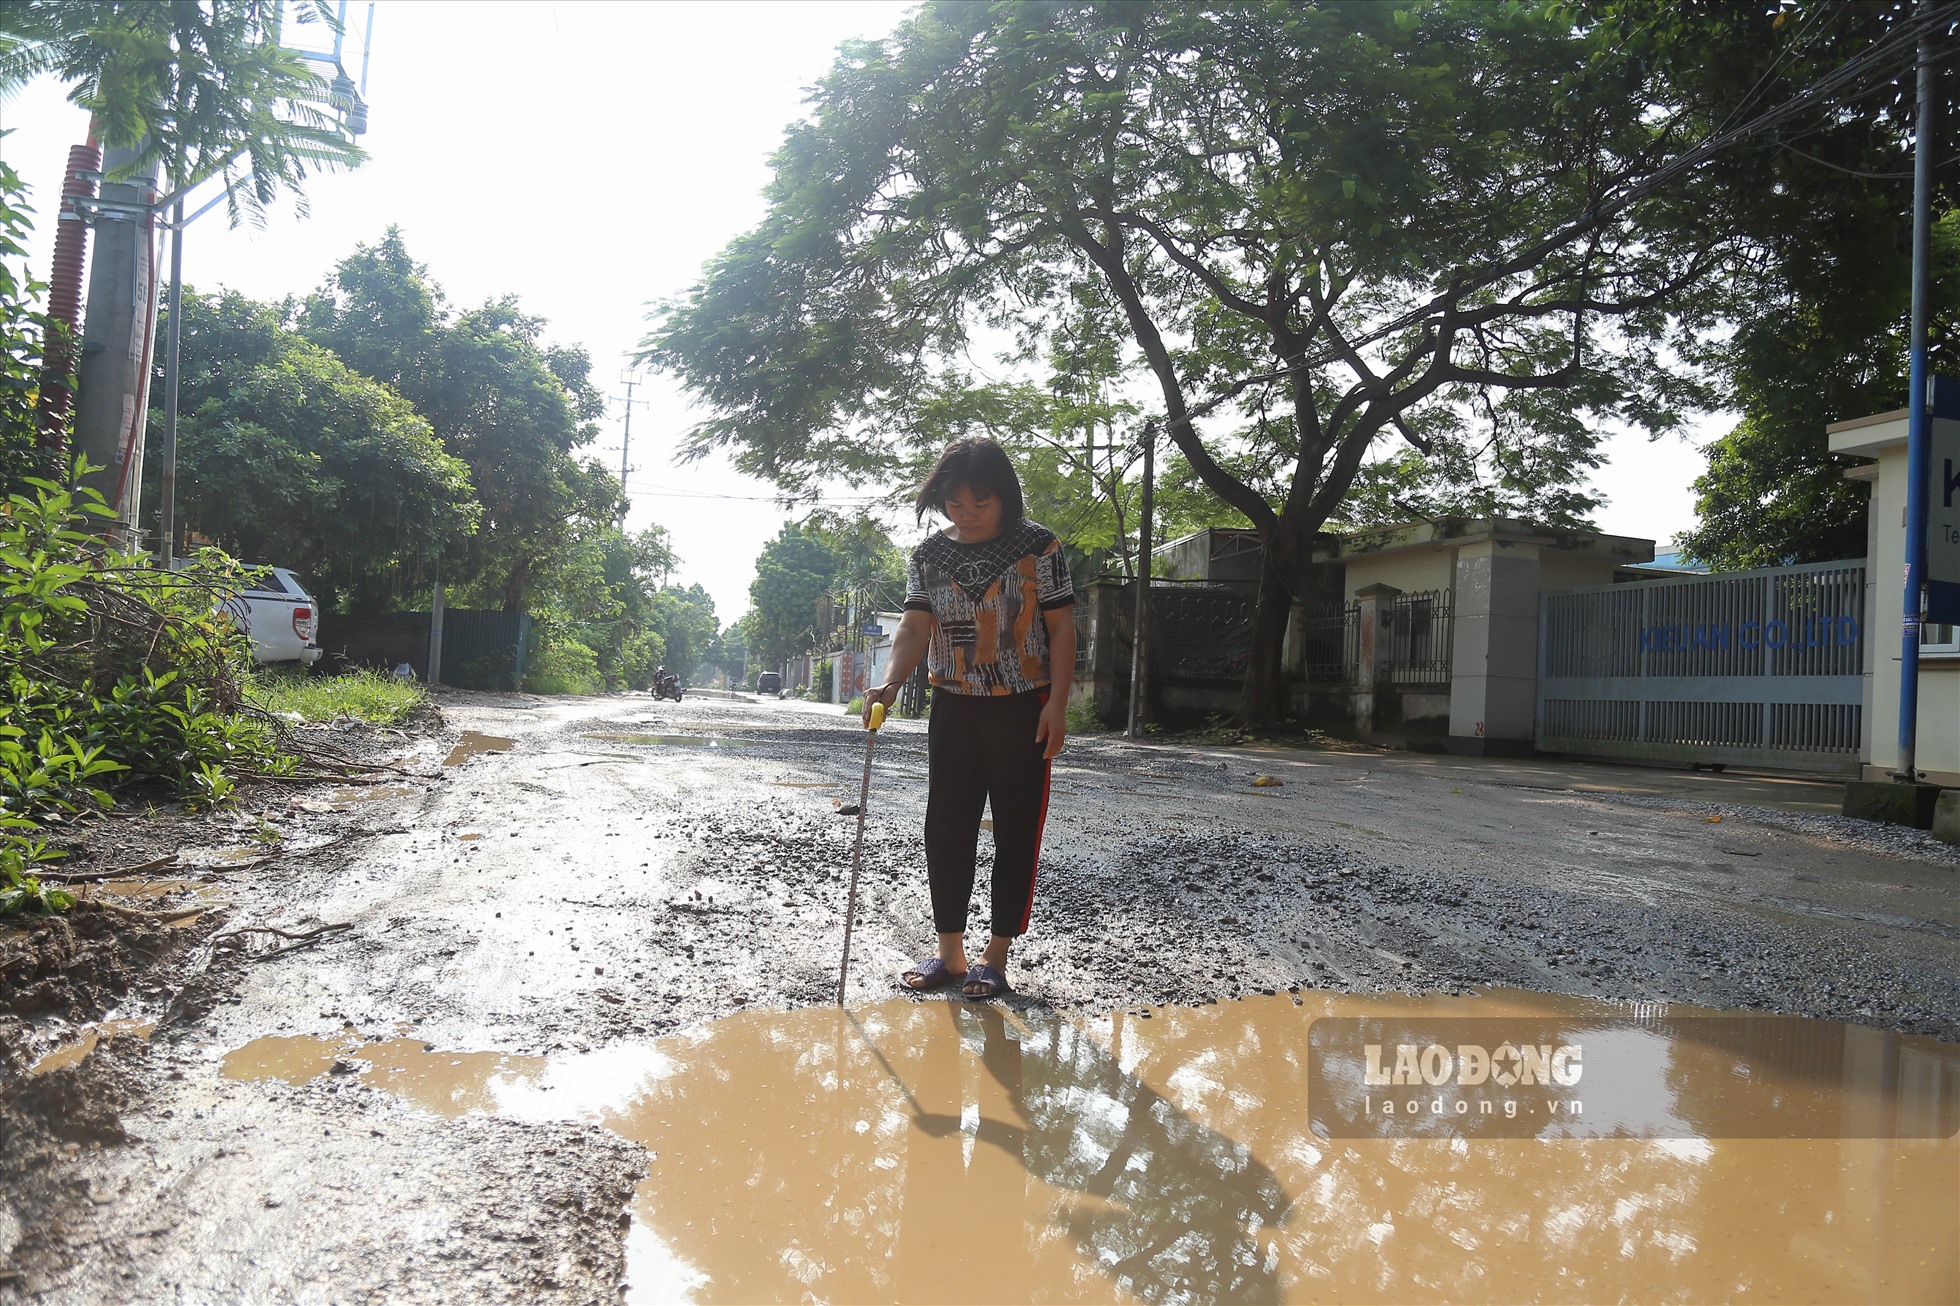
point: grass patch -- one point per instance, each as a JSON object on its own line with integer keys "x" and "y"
{"x": 368, "y": 695}
{"x": 1081, "y": 719}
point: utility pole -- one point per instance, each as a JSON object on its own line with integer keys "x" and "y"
{"x": 112, "y": 375}
{"x": 626, "y": 443}
{"x": 1919, "y": 424}
{"x": 1139, "y": 660}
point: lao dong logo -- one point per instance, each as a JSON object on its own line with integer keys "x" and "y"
{"x": 1475, "y": 1076}
{"x": 1471, "y": 1065}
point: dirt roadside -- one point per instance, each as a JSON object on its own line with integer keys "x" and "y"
{"x": 626, "y": 869}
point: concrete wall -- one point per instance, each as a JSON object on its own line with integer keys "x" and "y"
{"x": 1410, "y": 571}
{"x": 1215, "y": 554}
{"x": 1565, "y": 571}
{"x": 1938, "y": 742}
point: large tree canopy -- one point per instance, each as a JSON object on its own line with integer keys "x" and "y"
{"x": 286, "y": 456}
{"x": 1320, "y": 226}
{"x": 511, "y": 406}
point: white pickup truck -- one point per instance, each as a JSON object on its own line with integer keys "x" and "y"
{"x": 280, "y": 616}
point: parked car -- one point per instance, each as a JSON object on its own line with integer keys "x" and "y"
{"x": 769, "y": 682}
{"x": 281, "y": 617}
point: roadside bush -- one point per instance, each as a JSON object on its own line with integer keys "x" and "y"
{"x": 820, "y": 681}
{"x": 111, "y": 669}
{"x": 1081, "y": 719}
{"x": 564, "y": 666}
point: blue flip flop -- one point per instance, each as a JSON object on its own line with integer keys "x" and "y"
{"x": 930, "y": 974}
{"x": 984, "y": 974}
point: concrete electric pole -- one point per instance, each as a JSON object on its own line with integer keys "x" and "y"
{"x": 625, "y": 445}
{"x": 112, "y": 375}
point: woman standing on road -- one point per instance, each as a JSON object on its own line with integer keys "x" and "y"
{"x": 989, "y": 605}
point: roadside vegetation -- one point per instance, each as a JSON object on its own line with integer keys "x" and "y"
{"x": 360, "y": 694}
{"x": 116, "y": 675}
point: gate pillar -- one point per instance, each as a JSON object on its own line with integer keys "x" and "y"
{"x": 1494, "y": 651}
{"x": 1371, "y": 678}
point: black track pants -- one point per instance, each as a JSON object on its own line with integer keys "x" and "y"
{"x": 981, "y": 749}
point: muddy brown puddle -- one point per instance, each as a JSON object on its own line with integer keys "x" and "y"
{"x": 472, "y": 743}
{"x": 92, "y": 1036}
{"x": 917, "y": 1151}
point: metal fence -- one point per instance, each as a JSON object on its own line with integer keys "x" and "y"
{"x": 485, "y": 650}
{"x": 1754, "y": 667}
{"x": 1331, "y": 636}
{"x": 1419, "y": 634}
{"x": 1203, "y": 631}
{"x": 1199, "y": 630}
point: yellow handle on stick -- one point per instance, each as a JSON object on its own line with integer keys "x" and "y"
{"x": 877, "y": 716}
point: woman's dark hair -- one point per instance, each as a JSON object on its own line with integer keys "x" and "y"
{"x": 980, "y": 464}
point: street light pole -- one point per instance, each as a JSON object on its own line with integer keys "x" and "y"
{"x": 167, "y": 525}
{"x": 352, "y": 104}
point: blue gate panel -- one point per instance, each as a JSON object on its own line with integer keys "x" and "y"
{"x": 1755, "y": 667}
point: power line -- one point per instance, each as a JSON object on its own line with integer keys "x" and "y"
{"x": 665, "y": 492}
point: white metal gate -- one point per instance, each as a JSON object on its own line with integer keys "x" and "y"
{"x": 1758, "y": 668}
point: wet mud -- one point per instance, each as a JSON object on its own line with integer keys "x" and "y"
{"x": 562, "y": 915}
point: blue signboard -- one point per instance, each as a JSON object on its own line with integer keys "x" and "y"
{"x": 1798, "y": 632}
{"x": 1943, "y": 505}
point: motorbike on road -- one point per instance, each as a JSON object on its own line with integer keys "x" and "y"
{"x": 667, "y": 687}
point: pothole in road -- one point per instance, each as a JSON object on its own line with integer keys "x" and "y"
{"x": 349, "y": 797}
{"x": 73, "y": 1054}
{"x": 1239, "y": 1151}
{"x": 679, "y": 741}
{"x": 474, "y": 743}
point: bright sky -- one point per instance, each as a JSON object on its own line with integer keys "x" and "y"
{"x": 589, "y": 158}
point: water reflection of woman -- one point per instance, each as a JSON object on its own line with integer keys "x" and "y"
{"x": 990, "y": 609}
{"x": 1168, "y": 1209}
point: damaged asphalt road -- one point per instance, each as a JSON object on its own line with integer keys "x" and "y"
{"x": 585, "y": 875}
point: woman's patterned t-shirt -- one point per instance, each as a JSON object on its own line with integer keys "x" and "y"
{"x": 987, "y": 600}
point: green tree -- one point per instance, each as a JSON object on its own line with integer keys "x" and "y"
{"x": 286, "y": 456}
{"x": 728, "y": 653}
{"x": 1824, "y": 201}
{"x": 23, "y": 329}
{"x": 793, "y": 576}
{"x": 685, "y": 621}
{"x": 1323, "y": 226}
{"x": 205, "y": 86}
{"x": 868, "y": 566}
{"x": 510, "y": 405}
